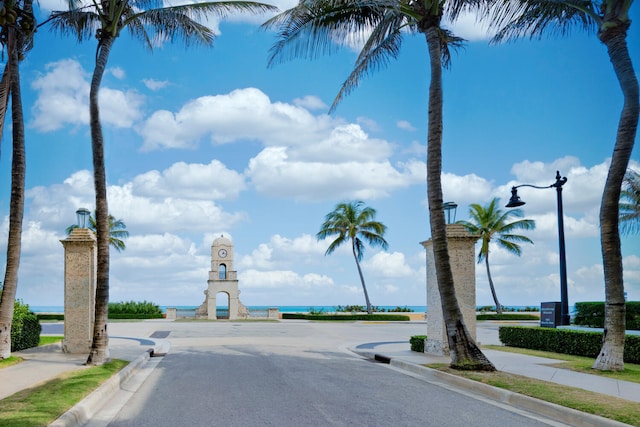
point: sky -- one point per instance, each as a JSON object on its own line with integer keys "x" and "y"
{"x": 203, "y": 142}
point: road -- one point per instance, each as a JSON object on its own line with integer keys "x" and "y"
{"x": 292, "y": 374}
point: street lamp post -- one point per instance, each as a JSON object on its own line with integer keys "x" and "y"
{"x": 515, "y": 201}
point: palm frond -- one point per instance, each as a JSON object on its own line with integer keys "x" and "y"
{"x": 510, "y": 246}
{"x": 320, "y": 27}
{"x": 629, "y": 206}
{"x": 79, "y": 22}
{"x": 534, "y": 18}
{"x": 5, "y": 92}
{"x": 382, "y": 45}
{"x": 169, "y": 26}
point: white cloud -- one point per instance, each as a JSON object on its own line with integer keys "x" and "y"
{"x": 240, "y": 115}
{"x": 197, "y": 181}
{"x": 117, "y": 72}
{"x": 468, "y": 27}
{"x": 284, "y": 252}
{"x": 388, "y": 265}
{"x": 145, "y": 204}
{"x": 273, "y": 173}
{"x": 344, "y": 143}
{"x": 63, "y": 98}
{"x": 153, "y": 84}
{"x": 405, "y": 125}
{"x": 465, "y": 190}
{"x": 288, "y": 281}
{"x": 310, "y": 102}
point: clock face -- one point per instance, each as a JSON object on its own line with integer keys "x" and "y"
{"x": 222, "y": 253}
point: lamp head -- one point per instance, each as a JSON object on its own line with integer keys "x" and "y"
{"x": 83, "y": 217}
{"x": 448, "y": 207}
{"x": 515, "y": 200}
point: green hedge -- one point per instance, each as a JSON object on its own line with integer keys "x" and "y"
{"x": 592, "y": 314}
{"x": 347, "y": 317}
{"x": 25, "y": 327}
{"x": 135, "y": 316}
{"x": 567, "y": 341}
{"x": 60, "y": 317}
{"x": 133, "y": 307}
{"x": 50, "y": 316}
{"x": 417, "y": 343}
{"x": 507, "y": 316}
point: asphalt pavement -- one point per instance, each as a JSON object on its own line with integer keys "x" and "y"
{"x": 144, "y": 344}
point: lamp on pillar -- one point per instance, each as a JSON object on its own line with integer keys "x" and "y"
{"x": 514, "y": 202}
{"x": 83, "y": 217}
{"x": 448, "y": 208}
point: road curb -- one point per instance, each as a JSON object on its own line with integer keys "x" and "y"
{"x": 83, "y": 411}
{"x": 530, "y": 404}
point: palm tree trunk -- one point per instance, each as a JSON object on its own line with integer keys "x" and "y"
{"x": 100, "y": 345}
{"x": 493, "y": 289}
{"x": 364, "y": 288}
{"x": 465, "y": 353}
{"x": 611, "y": 354}
{"x": 16, "y": 208}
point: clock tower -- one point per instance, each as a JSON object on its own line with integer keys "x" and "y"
{"x": 223, "y": 282}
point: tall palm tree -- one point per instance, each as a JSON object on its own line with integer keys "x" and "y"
{"x": 610, "y": 19}
{"x": 314, "y": 27}
{"x": 355, "y": 223}
{"x": 630, "y": 203}
{"x": 147, "y": 21}
{"x": 117, "y": 231}
{"x": 489, "y": 222}
{"x": 16, "y": 36}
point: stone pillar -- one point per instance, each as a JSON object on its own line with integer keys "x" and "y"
{"x": 80, "y": 262}
{"x": 273, "y": 313}
{"x": 461, "y": 245}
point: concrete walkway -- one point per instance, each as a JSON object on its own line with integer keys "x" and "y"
{"x": 136, "y": 342}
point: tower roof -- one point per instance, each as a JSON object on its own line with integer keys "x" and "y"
{"x": 222, "y": 241}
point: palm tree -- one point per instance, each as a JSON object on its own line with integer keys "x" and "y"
{"x": 148, "y": 21}
{"x": 16, "y": 36}
{"x": 354, "y": 222}
{"x": 488, "y": 222}
{"x": 630, "y": 203}
{"x": 314, "y": 27}
{"x": 117, "y": 231}
{"x": 610, "y": 18}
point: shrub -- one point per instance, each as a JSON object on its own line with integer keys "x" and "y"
{"x": 50, "y": 316}
{"x": 374, "y": 309}
{"x": 507, "y": 316}
{"x": 25, "y": 327}
{"x": 350, "y": 309}
{"x": 592, "y": 314}
{"x": 347, "y": 317}
{"x": 313, "y": 310}
{"x": 135, "y": 316}
{"x": 133, "y": 308}
{"x": 567, "y": 341}
{"x": 399, "y": 309}
{"x": 417, "y": 343}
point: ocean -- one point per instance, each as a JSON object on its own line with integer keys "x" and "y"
{"x": 281, "y": 309}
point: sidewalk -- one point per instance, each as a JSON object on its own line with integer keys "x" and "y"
{"x": 45, "y": 363}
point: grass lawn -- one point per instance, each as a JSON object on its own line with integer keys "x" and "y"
{"x": 39, "y": 406}
{"x": 577, "y": 363}
{"x": 582, "y": 400}
{"x": 49, "y": 339}
{"x": 11, "y": 360}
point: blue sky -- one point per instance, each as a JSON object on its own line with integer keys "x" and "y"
{"x": 203, "y": 142}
